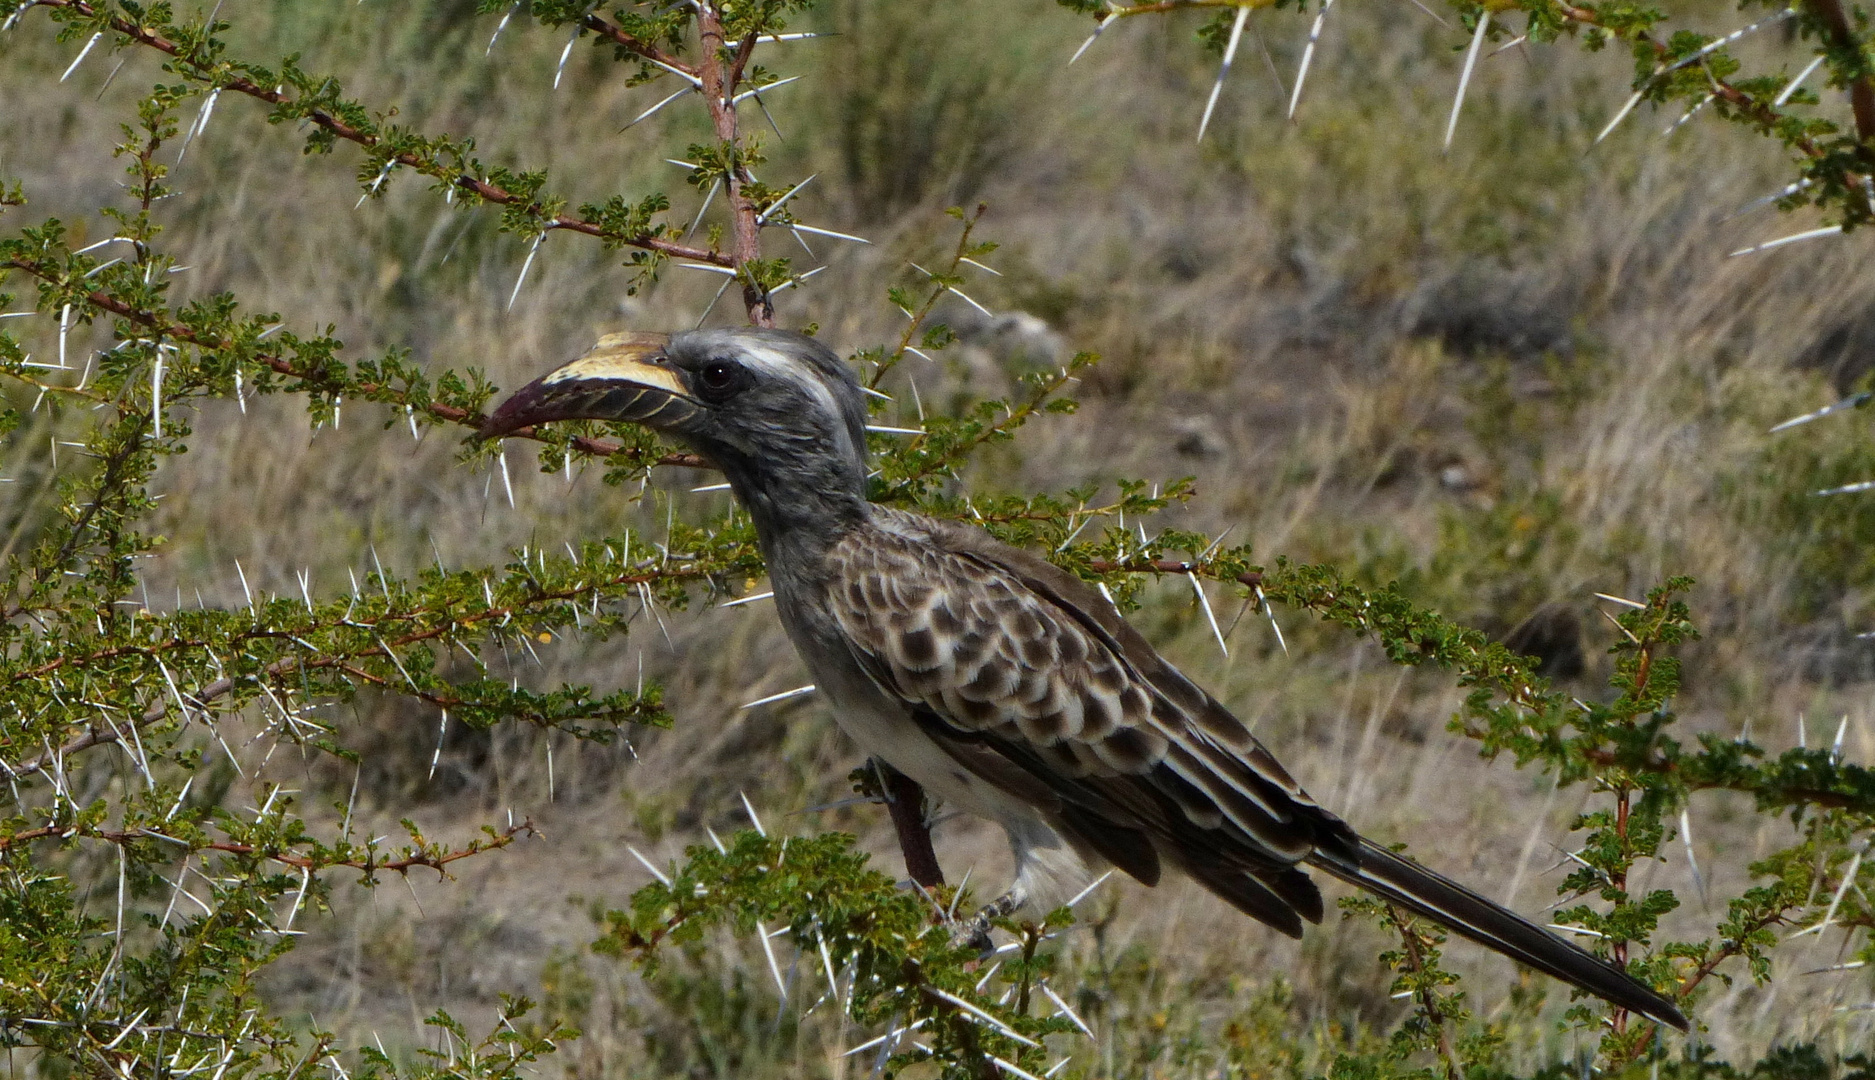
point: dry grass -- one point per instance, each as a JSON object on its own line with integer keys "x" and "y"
{"x": 1517, "y": 374}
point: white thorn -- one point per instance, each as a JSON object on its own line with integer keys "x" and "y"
{"x": 1692, "y": 860}
{"x": 1584, "y": 931}
{"x": 799, "y": 691}
{"x": 797, "y": 227}
{"x": 1765, "y": 200}
{"x": 1829, "y": 916}
{"x": 795, "y": 280}
{"x": 747, "y": 94}
{"x": 774, "y": 969}
{"x": 1464, "y": 76}
{"x": 1713, "y": 46}
{"x": 708, "y": 198}
{"x": 1791, "y": 87}
{"x": 1072, "y": 1016}
{"x": 82, "y": 53}
{"x": 1851, "y": 402}
{"x": 1308, "y": 55}
{"x": 525, "y": 265}
{"x": 944, "y": 995}
{"x": 156, "y": 396}
{"x": 1622, "y": 114}
{"x": 655, "y": 872}
{"x": 1083, "y": 894}
{"x": 893, "y": 1033}
{"x": 1849, "y": 489}
{"x": 753, "y": 819}
{"x": 1230, "y": 53}
{"x": 1811, "y": 234}
{"x": 1263, "y": 602}
{"x": 1013, "y": 1070}
{"x": 680, "y": 73}
{"x": 564, "y": 54}
{"x": 201, "y": 123}
{"x": 1688, "y": 114}
{"x": 500, "y": 26}
{"x": 1210, "y": 616}
{"x": 653, "y": 110}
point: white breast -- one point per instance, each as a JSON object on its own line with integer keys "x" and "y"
{"x": 1048, "y": 870}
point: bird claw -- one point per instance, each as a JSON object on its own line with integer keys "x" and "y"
{"x": 976, "y": 932}
{"x": 973, "y": 934}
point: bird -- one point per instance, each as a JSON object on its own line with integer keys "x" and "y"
{"x": 1006, "y": 686}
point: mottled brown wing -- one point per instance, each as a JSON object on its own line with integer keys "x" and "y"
{"x": 992, "y": 647}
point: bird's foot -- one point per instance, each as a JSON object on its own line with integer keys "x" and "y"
{"x": 976, "y": 932}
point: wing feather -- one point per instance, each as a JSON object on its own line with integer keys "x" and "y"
{"x": 1032, "y": 680}
{"x": 1140, "y": 765}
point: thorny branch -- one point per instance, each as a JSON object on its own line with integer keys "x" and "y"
{"x": 1843, "y": 40}
{"x": 1765, "y": 116}
{"x": 344, "y": 661}
{"x": 1424, "y": 992}
{"x": 163, "y": 328}
{"x": 719, "y": 68}
{"x": 1251, "y": 578}
{"x": 481, "y": 187}
{"x": 634, "y": 45}
{"x": 420, "y": 859}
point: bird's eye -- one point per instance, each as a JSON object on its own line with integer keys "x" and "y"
{"x": 718, "y": 379}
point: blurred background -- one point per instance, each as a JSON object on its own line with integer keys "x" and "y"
{"x": 1509, "y": 376}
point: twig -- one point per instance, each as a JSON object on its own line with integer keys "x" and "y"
{"x": 479, "y": 186}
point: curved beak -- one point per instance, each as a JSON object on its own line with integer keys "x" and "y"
{"x": 624, "y": 377}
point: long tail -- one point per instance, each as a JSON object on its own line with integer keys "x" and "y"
{"x": 1464, "y": 912}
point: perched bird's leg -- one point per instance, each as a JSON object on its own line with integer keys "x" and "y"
{"x": 905, "y": 801}
{"x": 976, "y": 932}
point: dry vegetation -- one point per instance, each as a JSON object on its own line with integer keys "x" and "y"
{"x": 1510, "y": 376}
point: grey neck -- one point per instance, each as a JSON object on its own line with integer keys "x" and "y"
{"x": 802, "y": 508}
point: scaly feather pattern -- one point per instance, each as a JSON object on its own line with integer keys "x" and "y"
{"x": 993, "y": 649}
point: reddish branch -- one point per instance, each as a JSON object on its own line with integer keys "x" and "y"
{"x": 1731, "y": 948}
{"x": 485, "y": 190}
{"x": 904, "y": 800}
{"x": 1843, "y": 38}
{"x": 371, "y": 864}
{"x": 220, "y": 687}
{"x": 720, "y": 71}
{"x": 1252, "y": 578}
{"x": 1427, "y": 995}
{"x": 635, "y": 45}
{"x": 1608, "y": 759}
{"x": 1762, "y": 114}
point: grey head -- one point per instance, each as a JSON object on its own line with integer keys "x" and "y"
{"x": 778, "y": 412}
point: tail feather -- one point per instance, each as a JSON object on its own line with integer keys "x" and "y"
{"x": 1469, "y": 915}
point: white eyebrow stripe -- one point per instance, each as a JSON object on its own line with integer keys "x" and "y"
{"x": 793, "y": 369}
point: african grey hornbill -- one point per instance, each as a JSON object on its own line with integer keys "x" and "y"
{"x": 1001, "y": 683}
